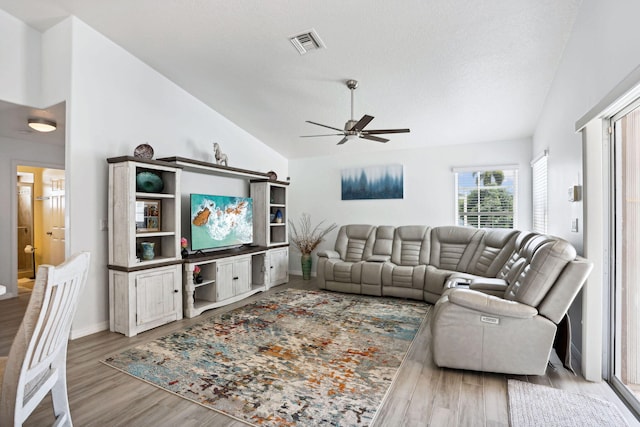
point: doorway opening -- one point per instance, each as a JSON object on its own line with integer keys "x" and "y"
{"x": 41, "y": 221}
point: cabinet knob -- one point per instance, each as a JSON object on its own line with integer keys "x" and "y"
{"x": 175, "y": 291}
{"x": 271, "y": 266}
{"x": 235, "y": 278}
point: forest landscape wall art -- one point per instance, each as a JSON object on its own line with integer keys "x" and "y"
{"x": 373, "y": 182}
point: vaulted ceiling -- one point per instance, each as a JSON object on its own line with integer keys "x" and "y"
{"x": 455, "y": 71}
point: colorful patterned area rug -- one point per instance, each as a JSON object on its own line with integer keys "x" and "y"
{"x": 296, "y": 358}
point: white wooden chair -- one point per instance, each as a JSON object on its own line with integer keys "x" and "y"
{"x": 38, "y": 357}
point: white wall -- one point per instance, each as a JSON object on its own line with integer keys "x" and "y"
{"x": 429, "y": 192}
{"x": 20, "y": 61}
{"x": 114, "y": 103}
{"x": 603, "y": 48}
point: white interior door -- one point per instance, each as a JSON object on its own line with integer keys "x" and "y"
{"x": 53, "y": 216}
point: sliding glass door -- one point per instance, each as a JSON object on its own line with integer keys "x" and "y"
{"x": 625, "y": 313}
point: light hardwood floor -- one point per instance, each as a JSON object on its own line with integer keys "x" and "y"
{"x": 423, "y": 394}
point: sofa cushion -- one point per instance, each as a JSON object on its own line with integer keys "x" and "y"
{"x": 540, "y": 274}
{"x": 493, "y": 251}
{"x": 452, "y": 247}
{"x": 524, "y": 250}
{"x": 347, "y": 272}
{"x": 355, "y": 242}
{"x": 383, "y": 244}
{"x": 411, "y": 245}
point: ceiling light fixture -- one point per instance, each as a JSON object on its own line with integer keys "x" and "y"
{"x": 42, "y": 125}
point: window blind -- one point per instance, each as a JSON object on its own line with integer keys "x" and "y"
{"x": 539, "y": 193}
{"x": 486, "y": 198}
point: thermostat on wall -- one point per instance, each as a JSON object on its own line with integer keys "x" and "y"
{"x": 575, "y": 191}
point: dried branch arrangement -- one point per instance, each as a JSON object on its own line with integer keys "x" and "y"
{"x": 305, "y": 237}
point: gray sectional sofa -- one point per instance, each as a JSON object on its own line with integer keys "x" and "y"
{"x": 499, "y": 294}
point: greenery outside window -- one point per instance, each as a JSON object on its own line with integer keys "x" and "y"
{"x": 487, "y": 197}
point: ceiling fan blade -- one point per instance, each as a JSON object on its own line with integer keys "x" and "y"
{"x": 324, "y": 126}
{"x": 377, "y": 131}
{"x": 362, "y": 123}
{"x": 373, "y": 138}
{"x": 342, "y": 141}
{"x": 326, "y": 134}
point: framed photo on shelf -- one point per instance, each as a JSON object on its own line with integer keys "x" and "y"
{"x": 148, "y": 216}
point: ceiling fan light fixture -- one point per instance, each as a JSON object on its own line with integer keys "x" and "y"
{"x": 355, "y": 129}
{"x": 42, "y": 125}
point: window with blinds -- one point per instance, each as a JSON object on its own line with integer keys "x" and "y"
{"x": 539, "y": 193}
{"x": 487, "y": 197}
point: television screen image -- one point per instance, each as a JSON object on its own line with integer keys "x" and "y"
{"x": 220, "y": 221}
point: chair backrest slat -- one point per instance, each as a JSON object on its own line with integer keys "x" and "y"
{"x": 39, "y": 349}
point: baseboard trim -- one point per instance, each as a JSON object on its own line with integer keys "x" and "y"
{"x": 299, "y": 273}
{"x": 83, "y": 332}
{"x": 576, "y": 360}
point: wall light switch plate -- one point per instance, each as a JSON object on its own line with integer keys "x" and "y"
{"x": 574, "y": 225}
{"x": 575, "y": 193}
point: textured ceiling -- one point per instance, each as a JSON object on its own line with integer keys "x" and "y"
{"x": 454, "y": 71}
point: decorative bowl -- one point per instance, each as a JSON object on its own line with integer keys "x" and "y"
{"x": 143, "y": 151}
{"x": 148, "y": 182}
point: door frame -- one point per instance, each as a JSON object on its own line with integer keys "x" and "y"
{"x": 611, "y": 312}
{"x": 12, "y": 286}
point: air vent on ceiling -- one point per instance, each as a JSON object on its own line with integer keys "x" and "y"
{"x": 309, "y": 40}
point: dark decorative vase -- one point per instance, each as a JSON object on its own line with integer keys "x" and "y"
{"x": 199, "y": 279}
{"x": 184, "y": 253}
{"x": 279, "y": 218}
{"x": 306, "y": 266}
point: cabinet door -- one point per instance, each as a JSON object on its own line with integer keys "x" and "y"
{"x": 242, "y": 275}
{"x": 224, "y": 280}
{"x": 279, "y": 266}
{"x": 156, "y": 296}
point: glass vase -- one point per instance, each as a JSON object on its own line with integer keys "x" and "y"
{"x": 147, "y": 250}
{"x": 305, "y": 260}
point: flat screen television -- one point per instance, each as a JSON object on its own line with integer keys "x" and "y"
{"x": 220, "y": 221}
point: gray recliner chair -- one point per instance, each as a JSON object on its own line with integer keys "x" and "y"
{"x": 512, "y": 333}
{"x": 341, "y": 269}
{"x": 403, "y": 275}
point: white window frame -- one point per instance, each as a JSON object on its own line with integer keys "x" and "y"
{"x": 539, "y": 193}
{"x": 480, "y": 169}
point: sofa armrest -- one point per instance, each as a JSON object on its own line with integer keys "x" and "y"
{"x": 490, "y": 285}
{"x": 328, "y": 253}
{"x": 379, "y": 258}
{"x": 490, "y": 304}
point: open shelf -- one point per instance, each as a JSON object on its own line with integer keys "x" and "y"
{"x": 204, "y": 283}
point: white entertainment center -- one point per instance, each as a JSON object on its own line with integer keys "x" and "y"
{"x": 146, "y": 293}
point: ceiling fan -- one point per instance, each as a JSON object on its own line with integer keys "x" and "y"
{"x": 355, "y": 128}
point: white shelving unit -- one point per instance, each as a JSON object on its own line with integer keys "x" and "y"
{"x": 269, "y": 199}
{"x": 146, "y": 293}
{"x": 227, "y": 277}
{"x": 143, "y": 293}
